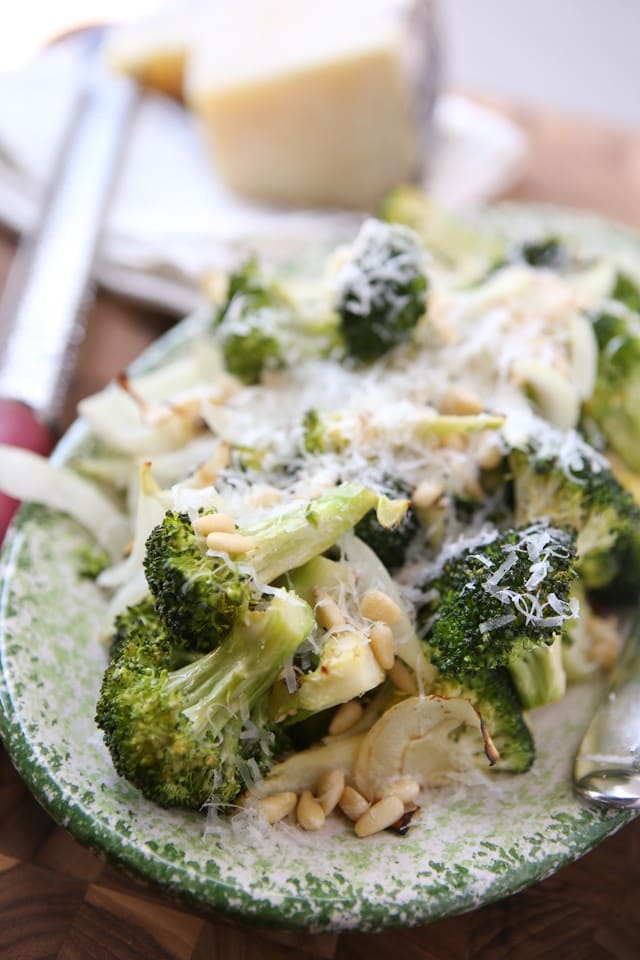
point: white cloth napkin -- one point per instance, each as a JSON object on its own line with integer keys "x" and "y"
{"x": 171, "y": 219}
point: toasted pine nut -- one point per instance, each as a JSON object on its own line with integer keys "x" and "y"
{"x": 264, "y": 495}
{"x": 380, "y": 816}
{"x": 229, "y": 542}
{"x": 376, "y": 605}
{"x": 406, "y": 790}
{"x": 214, "y": 523}
{"x": 309, "y": 812}
{"x": 328, "y": 613}
{"x": 489, "y": 454}
{"x": 345, "y": 717}
{"x": 382, "y": 644}
{"x": 402, "y": 678}
{"x": 329, "y": 790}
{"x": 277, "y": 806}
{"x": 472, "y": 488}
{"x": 606, "y": 642}
{"x": 352, "y": 803}
{"x": 427, "y": 494}
{"x": 461, "y": 402}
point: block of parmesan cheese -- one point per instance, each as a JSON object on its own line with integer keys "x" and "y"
{"x": 315, "y": 103}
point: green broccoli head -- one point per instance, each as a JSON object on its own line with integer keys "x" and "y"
{"x": 381, "y": 290}
{"x": 494, "y": 696}
{"x": 548, "y": 252}
{"x": 186, "y": 737}
{"x": 199, "y": 597}
{"x": 626, "y": 291}
{"x": 497, "y": 600}
{"x": 201, "y": 593}
{"x": 615, "y": 404}
{"x": 390, "y": 544}
{"x": 251, "y": 325}
{"x": 560, "y": 477}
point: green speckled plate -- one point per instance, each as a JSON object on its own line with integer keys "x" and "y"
{"x": 468, "y": 847}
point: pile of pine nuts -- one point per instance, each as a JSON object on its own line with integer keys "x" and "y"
{"x": 332, "y": 793}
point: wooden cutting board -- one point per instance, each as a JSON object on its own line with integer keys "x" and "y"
{"x": 59, "y": 901}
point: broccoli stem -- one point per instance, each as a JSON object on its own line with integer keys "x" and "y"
{"x": 539, "y": 676}
{"x": 305, "y": 530}
{"x": 228, "y": 681}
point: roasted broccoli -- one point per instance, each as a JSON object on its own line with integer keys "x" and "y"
{"x": 548, "y": 252}
{"x": 502, "y": 602}
{"x": 187, "y": 737}
{"x": 560, "y": 477}
{"x": 390, "y": 543}
{"x": 626, "y": 291}
{"x": 381, "y": 290}
{"x": 264, "y": 324}
{"x": 615, "y": 404}
{"x": 251, "y": 324}
{"x": 201, "y": 593}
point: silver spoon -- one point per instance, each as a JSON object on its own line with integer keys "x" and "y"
{"x": 607, "y": 765}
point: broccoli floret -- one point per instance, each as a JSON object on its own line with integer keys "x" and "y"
{"x": 251, "y": 324}
{"x": 494, "y": 696}
{"x": 548, "y": 252}
{"x": 186, "y": 737}
{"x": 381, "y": 290}
{"x": 562, "y": 478}
{"x": 626, "y": 291}
{"x": 390, "y": 543}
{"x": 197, "y": 596}
{"x": 92, "y": 561}
{"x": 200, "y": 596}
{"x": 615, "y": 404}
{"x": 323, "y": 432}
{"x": 499, "y": 603}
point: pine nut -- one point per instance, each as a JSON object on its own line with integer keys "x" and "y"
{"x": 376, "y": 605}
{"x": 402, "y": 678}
{"x": 329, "y": 790}
{"x": 328, "y": 613}
{"x": 380, "y": 816}
{"x": 277, "y": 806}
{"x": 455, "y": 441}
{"x": 427, "y": 494}
{"x": 406, "y": 790}
{"x": 230, "y": 543}
{"x": 214, "y": 523}
{"x": 309, "y": 812}
{"x": 352, "y": 803}
{"x": 461, "y": 402}
{"x": 606, "y": 642}
{"x": 345, "y": 717}
{"x": 489, "y": 454}
{"x": 382, "y": 644}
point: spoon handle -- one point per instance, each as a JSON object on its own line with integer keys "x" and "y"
{"x": 607, "y": 764}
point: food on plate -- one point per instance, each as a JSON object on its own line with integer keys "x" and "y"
{"x": 351, "y": 541}
{"x": 302, "y": 103}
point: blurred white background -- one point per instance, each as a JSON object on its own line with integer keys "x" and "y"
{"x": 577, "y": 55}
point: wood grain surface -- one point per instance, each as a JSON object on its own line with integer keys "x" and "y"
{"x": 59, "y": 901}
